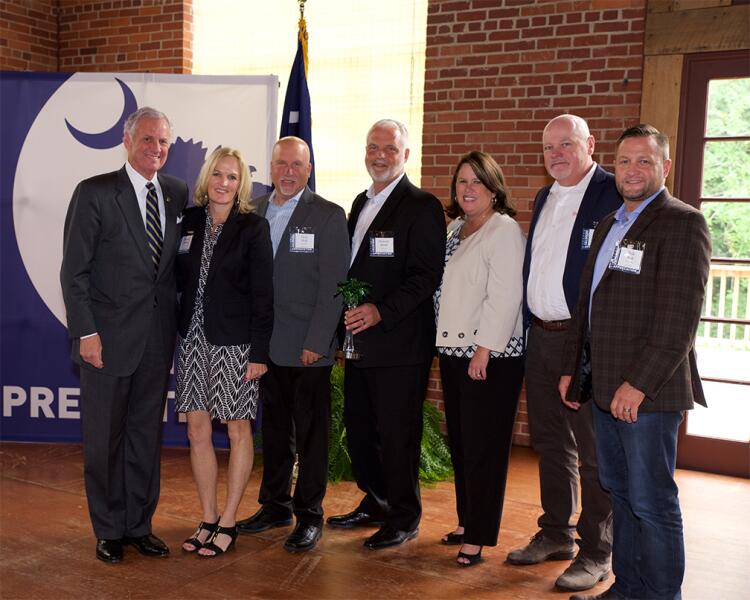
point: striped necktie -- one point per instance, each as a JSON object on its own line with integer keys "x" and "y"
{"x": 153, "y": 226}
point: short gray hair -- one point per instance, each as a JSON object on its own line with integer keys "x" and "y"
{"x": 145, "y": 113}
{"x": 392, "y": 124}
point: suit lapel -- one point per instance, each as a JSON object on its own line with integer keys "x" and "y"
{"x": 297, "y": 219}
{"x": 389, "y": 206}
{"x": 171, "y": 212}
{"x": 128, "y": 203}
{"x": 641, "y": 223}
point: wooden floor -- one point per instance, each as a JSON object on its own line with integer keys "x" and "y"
{"x": 47, "y": 548}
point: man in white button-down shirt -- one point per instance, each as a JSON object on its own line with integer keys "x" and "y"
{"x": 564, "y": 218}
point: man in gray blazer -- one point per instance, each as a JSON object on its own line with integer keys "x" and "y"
{"x": 118, "y": 283}
{"x": 311, "y": 255}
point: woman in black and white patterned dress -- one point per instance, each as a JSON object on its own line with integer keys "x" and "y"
{"x": 480, "y": 343}
{"x": 224, "y": 278}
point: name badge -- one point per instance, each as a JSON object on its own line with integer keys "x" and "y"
{"x": 586, "y": 236}
{"x": 185, "y": 242}
{"x": 628, "y": 256}
{"x": 302, "y": 240}
{"x": 381, "y": 244}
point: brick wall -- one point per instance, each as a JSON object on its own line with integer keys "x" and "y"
{"x": 498, "y": 70}
{"x": 126, "y": 35}
{"x": 28, "y": 35}
{"x": 116, "y": 35}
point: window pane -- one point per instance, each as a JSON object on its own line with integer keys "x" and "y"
{"x": 728, "y": 107}
{"x": 728, "y": 414}
{"x": 356, "y": 72}
{"x": 729, "y": 224}
{"x": 726, "y": 170}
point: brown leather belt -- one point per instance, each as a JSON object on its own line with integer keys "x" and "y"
{"x": 551, "y": 325}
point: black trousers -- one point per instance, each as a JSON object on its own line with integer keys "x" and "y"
{"x": 383, "y": 418}
{"x": 121, "y": 420}
{"x": 296, "y": 420}
{"x": 480, "y": 417}
{"x": 565, "y": 442}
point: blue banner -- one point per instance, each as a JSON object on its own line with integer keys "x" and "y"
{"x": 55, "y": 130}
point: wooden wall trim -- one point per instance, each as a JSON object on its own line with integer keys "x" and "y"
{"x": 660, "y": 102}
{"x": 677, "y": 5}
{"x": 698, "y": 30}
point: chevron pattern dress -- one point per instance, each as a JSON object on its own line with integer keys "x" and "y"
{"x": 211, "y": 378}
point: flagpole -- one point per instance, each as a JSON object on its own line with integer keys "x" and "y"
{"x": 302, "y": 34}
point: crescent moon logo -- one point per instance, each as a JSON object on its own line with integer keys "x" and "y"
{"x": 113, "y": 136}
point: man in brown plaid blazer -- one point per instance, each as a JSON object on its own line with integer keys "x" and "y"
{"x": 641, "y": 296}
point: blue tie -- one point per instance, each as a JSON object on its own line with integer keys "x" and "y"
{"x": 153, "y": 226}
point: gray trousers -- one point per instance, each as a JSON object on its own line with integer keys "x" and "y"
{"x": 564, "y": 439}
{"x": 121, "y": 422}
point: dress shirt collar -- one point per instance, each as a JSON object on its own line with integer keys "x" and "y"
{"x": 139, "y": 181}
{"x": 293, "y": 200}
{"x": 578, "y": 188}
{"x": 382, "y": 196}
{"x": 623, "y": 216}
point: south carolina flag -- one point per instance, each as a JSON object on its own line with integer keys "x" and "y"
{"x": 296, "y": 118}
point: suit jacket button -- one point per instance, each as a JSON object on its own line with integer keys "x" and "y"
{"x": 445, "y": 334}
{"x": 461, "y": 336}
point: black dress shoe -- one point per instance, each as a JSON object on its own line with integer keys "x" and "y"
{"x": 387, "y": 536}
{"x": 261, "y": 521}
{"x": 110, "y": 551}
{"x": 303, "y": 538}
{"x": 356, "y": 518}
{"x": 148, "y": 544}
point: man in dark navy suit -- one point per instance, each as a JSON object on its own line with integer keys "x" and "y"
{"x": 398, "y": 244}
{"x": 562, "y": 225}
{"x": 118, "y": 283}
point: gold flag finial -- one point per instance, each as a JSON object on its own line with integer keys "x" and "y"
{"x": 302, "y": 34}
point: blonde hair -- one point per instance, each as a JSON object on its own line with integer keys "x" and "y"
{"x": 242, "y": 199}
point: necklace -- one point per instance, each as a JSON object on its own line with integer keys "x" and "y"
{"x": 467, "y": 229}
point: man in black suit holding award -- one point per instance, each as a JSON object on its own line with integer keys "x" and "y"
{"x": 398, "y": 246}
{"x": 118, "y": 283}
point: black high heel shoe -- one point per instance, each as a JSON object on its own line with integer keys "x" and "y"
{"x": 474, "y": 559}
{"x": 194, "y": 541}
{"x": 211, "y": 543}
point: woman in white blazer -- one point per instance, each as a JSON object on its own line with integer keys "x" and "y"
{"x": 480, "y": 343}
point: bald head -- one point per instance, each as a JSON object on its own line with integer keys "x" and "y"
{"x": 290, "y": 167}
{"x": 568, "y": 146}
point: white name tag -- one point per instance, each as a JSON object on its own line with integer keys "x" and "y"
{"x": 586, "y": 238}
{"x": 302, "y": 241}
{"x": 185, "y": 242}
{"x": 381, "y": 244}
{"x": 627, "y": 257}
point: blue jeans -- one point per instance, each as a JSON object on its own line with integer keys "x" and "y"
{"x": 636, "y": 466}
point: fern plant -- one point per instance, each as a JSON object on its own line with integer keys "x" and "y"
{"x": 435, "y": 460}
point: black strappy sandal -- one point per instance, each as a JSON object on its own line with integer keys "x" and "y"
{"x": 211, "y": 543}
{"x": 202, "y": 526}
{"x": 474, "y": 559}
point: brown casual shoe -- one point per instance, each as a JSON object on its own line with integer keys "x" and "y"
{"x": 539, "y": 549}
{"x": 583, "y": 574}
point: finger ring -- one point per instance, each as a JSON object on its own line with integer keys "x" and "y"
{"x": 627, "y": 410}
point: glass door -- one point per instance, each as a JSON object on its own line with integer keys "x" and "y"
{"x": 714, "y": 172}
